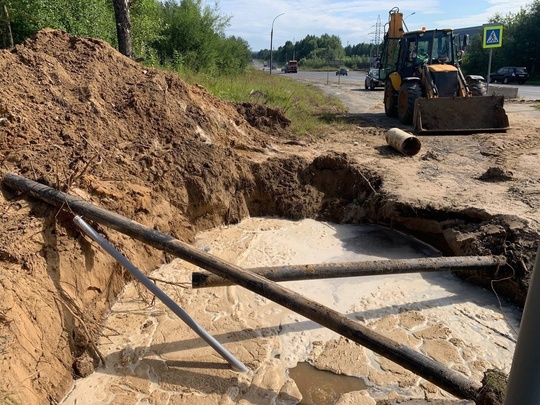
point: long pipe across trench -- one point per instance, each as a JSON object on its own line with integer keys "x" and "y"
{"x": 296, "y": 272}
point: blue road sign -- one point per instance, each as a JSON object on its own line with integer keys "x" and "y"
{"x": 492, "y": 36}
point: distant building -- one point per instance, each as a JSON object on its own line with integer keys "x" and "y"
{"x": 470, "y": 31}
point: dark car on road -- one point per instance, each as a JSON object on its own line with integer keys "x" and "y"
{"x": 510, "y": 74}
{"x": 342, "y": 72}
{"x": 372, "y": 79}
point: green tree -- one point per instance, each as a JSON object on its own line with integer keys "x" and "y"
{"x": 89, "y": 18}
{"x": 311, "y": 50}
{"x": 286, "y": 52}
{"x": 329, "y": 48}
{"x": 306, "y": 46}
{"x": 146, "y": 22}
{"x": 235, "y": 55}
{"x": 520, "y": 41}
{"x": 193, "y": 37}
{"x": 193, "y": 31}
{"x": 519, "y": 44}
{"x": 5, "y": 28}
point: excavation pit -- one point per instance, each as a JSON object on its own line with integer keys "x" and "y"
{"x": 461, "y": 326}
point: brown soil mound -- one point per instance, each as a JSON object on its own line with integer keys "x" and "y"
{"x": 77, "y": 115}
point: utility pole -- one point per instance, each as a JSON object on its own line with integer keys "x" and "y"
{"x": 271, "y": 38}
{"x": 378, "y": 30}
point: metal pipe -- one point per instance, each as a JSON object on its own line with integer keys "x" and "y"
{"x": 404, "y": 142}
{"x": 356, "y": 269}
{"x": 433, "y": 371}
{"x": 139, "y": 275}
{"x": 523, "y": 387}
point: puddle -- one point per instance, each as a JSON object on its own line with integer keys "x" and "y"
{"x": 320, "y": 387}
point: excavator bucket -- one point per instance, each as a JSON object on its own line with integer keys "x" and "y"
{"x": 447, "y": 115}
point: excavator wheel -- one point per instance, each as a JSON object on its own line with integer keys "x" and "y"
{"x": 390, "y": 100}
{"x": 477, "y": 87}
{"x": 408, "y": 93}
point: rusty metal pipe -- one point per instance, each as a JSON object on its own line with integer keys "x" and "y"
{"x": 402, "y": 141}
{"x": 356, "y": 269}
{"x": 433, "y": 371}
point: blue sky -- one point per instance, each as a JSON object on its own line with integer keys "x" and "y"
{"x": 353, "y": 21}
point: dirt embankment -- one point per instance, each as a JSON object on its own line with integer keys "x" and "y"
{"x": 77, "y": 115}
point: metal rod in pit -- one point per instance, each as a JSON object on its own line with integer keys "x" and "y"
{"x": 200, "y": 279}
{"x": 173, "y": 306}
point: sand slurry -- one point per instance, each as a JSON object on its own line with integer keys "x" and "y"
{"x": 153, "y": 357}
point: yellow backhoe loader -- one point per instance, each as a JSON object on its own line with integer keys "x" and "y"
{"x": 425, "y": 86}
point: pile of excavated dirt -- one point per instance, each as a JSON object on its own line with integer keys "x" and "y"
{"x": 77, "y": 115}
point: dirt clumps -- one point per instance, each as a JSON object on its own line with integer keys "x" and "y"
{"x": 494, "y": 388}
{"x": 267, "y": 119}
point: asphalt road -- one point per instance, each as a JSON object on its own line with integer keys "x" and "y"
{"x": 525, "y": 91}
{"x": 356, "y": 78}
{"x": 353, "y": 78}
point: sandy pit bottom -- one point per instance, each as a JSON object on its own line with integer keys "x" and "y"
{"x": 152, "y": 357}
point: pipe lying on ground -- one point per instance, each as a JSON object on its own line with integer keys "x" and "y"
{"x": 355, "y": 269}
{"x": 154, "y": 289}
{"x": 402, "y": 141}
{"x": 433, "y": 371}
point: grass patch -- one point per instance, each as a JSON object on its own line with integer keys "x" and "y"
{"x": 310, "y": 110}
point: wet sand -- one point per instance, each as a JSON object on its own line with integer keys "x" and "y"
{"x": 153, "y": 357}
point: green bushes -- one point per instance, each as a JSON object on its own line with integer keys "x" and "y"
{"x": 184, "y": 35}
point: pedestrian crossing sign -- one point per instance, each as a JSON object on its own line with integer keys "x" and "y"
{"x": 492, "y": 36}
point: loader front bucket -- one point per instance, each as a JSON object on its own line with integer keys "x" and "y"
{"x": 460, "y": 115}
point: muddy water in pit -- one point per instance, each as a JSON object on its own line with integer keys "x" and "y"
{"x": 153, "y": 357}
{"x": 322, "y": 387}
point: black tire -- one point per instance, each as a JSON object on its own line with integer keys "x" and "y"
{"x": 477, "y": 87}
{"x": 390, "y": 100}
{"x": 408, "y": 93}
{"x": 371, "y": 85}
{"x": 365, "y": 84}
{"x": 505, "y": 80}
{"x": 521, "y": 82}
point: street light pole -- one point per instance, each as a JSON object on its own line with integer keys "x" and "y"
{"x": 271, "y": 38}
{"x": 407, "y": 28}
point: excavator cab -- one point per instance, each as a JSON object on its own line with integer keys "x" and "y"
{"x": 424, "y": 84}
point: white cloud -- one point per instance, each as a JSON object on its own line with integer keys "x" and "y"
{"x": 352, "y": 21}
